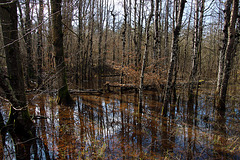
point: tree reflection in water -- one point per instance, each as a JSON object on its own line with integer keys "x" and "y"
{"x": 108, "y": 127}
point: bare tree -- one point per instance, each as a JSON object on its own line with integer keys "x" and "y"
{"x": 198, "y": 25}
{"x": 144, "y": 63}
{"x": 174, "y": 52}
{"x": 227, "y": 12}
{"x": 157, "y": 44}
{"x": 124, "y": 38}
{"x": 229, "y": 53}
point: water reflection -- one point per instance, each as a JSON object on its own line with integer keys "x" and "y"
{"x": 109, "y": 127}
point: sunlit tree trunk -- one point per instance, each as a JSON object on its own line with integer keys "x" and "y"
{"x": 174, "y": 52}
{"x": 229, "y": 53}
{"x": 106, "y": 32}
{"x": 144, "y": 63}
{"x": 14, "y": 88}
{"x": 63, "y": 93}
{"x": 227, "y": 12}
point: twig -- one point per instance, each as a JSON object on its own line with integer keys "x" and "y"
{"x": 7, "y": 3}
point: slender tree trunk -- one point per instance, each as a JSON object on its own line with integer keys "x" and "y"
{"x": 187, "y": 42}
{"x": 124, "y": 38}
{"x": 63, "y": 93}
{"x": 221, "y": 62}
{"x": 113, "y": 34}
{"x": 15, "y": 91}
{"x": 144, "y": 63}
{"x": 192, "y": 77}
{"x": 229, "y": 52}
{"x": 40, "y": 43}
{"x": 174, "y": 53}
{"x": 156, "y": 46}
{"x": 100, "y": 29}
{"x": 106, "y": 34}
{"x": 135, "y": 31}
{"x": 139, "y": 34}
{"x": 166, "y": 43}
{"x": 28, "y": 27}
{"x": 129, "y": 50}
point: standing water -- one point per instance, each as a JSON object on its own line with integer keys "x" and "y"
{"x": 107, "y": 126}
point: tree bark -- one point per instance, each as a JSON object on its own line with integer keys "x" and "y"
{"x": 221, "y": 62}
{"x": 14, "y": 88}
{"x": 63, "y": 93}
{"x": 166, "y": 43}
{"x": 174, "y": 53}
{"x": 28, "y": 28}
{"x": 113, "y": 34}
{"x": 229, "y": 52}
{"x": 144, "y": 63}
{"x": 124, "y": 39}
{"x": 157, "y": 44}
{"x": 40, "y": 43}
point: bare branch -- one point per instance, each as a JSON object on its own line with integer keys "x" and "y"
{"x": 7, "y": 3}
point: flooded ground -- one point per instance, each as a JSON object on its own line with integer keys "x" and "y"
{"x": 107, "y": 126}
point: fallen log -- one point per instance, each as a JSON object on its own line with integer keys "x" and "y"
{"x": 86, "y": 91}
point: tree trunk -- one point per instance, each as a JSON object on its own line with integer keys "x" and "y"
{"x": 28, "y": 27}
{"x": 80, "y": 41}
{"x": 174, "y": 53}
{"x": 14, "y": 89}
{"x": 157, "y": 44}
{"x": 124, "y": 38}
{"x": 63, "y": 93}
{"x": 221, "y": 62}
{"x": 144, "y": 63}
{"x": 113, "y": 34}
{"x": 100, "y": 29}
{"x": 229, "y": 53}
{"x": 106, "y": 34}
{"x": 40, "y": 43}
{"x": 166, "y": 43}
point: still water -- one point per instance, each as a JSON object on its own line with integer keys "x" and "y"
{"x": 107, "y": 126}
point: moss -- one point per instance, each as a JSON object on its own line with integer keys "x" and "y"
{"x": 21, "y": 121}
{"x": 64, "y": 97}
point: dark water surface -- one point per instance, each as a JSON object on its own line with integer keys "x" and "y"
{"x": 108, "y": 126}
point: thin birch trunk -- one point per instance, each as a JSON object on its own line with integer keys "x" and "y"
{"x": 221, "y": 62}
{"x": 174, "y": 53}
{"x": 230, "y": 51}
{"x": 144, "y": 63}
